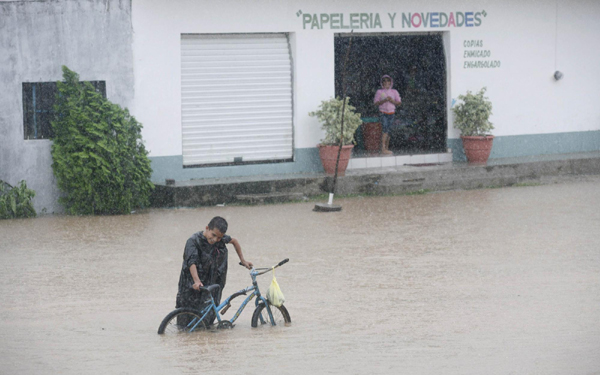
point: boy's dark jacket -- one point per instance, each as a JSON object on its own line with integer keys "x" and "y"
{"x": 211, "y": 263}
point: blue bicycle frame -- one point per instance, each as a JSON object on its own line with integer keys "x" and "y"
{"x": 224, "y": 306}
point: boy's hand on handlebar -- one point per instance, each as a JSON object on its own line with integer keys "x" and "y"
{"x": 197, "y": 285}
{"x": 247, "y": 264}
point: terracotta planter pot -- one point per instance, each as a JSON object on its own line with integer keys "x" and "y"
{"x": 477, "y": 148}
{"x": 328, "y": 156}
{"x": 372, "y": 136}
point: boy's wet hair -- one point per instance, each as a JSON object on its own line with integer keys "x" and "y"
{"x": 219, "y": 223}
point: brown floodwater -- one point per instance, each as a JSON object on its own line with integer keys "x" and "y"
{"x": 495, "y": 281}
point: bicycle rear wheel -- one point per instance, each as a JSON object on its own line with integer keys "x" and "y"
{"x": 261, "y": 315}
{"x": 181, "y": 320}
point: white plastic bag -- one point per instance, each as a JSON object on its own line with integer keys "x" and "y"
{"x": 274, "y": 294}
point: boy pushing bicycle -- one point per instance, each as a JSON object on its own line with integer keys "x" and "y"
{"x": 205, "y": 263}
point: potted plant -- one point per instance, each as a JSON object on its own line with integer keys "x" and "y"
{"x": 330, "y": 116}
{"x": 471, "y": 117}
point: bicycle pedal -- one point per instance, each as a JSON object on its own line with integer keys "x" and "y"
{"x": 225, "y": 324}
{"x": 224, "y": 310}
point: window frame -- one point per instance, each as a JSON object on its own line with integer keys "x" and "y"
{"x": 38, "y": 107}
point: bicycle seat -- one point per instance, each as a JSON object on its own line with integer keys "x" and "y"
{"x": 210, "y": 288}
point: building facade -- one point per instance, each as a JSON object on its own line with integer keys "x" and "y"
{"x": 225, "y": 88}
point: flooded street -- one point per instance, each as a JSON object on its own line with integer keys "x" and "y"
{"x": 494, "y": 281}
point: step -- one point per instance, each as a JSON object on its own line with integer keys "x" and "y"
{"x": 378, "y": 161}
{"x": 270, "y": 197}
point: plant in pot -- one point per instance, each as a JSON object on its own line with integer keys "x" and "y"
{"x": 471, "y": 117}
{"x": 330, "y": 116}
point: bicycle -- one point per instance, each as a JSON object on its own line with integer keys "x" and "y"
{"x": 188, "y": 319}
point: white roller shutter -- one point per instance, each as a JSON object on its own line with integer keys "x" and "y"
{"x": 236, "y": 98}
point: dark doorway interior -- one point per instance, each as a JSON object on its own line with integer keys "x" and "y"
{"x": 417, "y": 65}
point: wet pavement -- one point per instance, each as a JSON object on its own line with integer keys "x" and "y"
{"x": 491, "y": 281}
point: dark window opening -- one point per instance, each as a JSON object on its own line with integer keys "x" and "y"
{"x": 417, "y": 65}
{"x": 38, "y": 107}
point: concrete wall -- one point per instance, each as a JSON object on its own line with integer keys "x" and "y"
{"x": 91, "y": 37}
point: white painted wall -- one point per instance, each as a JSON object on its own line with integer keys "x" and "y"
{"x": 532, "y": 43}
{"x": 575, "y": 101}
{"x": 526, "y": 36}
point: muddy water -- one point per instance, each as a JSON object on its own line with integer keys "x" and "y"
{"x": 501, "y": 281}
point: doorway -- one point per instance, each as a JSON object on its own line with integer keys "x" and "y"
{"x": 417, "y": 64}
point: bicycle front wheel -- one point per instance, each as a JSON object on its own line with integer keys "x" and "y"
{"x": 261, "y": 315}
{"x": 181, "y": 320}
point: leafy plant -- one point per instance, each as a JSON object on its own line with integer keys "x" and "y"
{"x": 16, "y": 201}
{"x": 99, "y": 159}
{"x": 471, "y": 116}
{"x": 330, "y": 116}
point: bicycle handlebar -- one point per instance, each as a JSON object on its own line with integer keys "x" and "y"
{"x": 269, "y": 269}
{"x": 208, "y": 288}
{"x": 283, "y": 262}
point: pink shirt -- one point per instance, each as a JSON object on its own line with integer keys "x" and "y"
{"x": 387, "y": 106}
